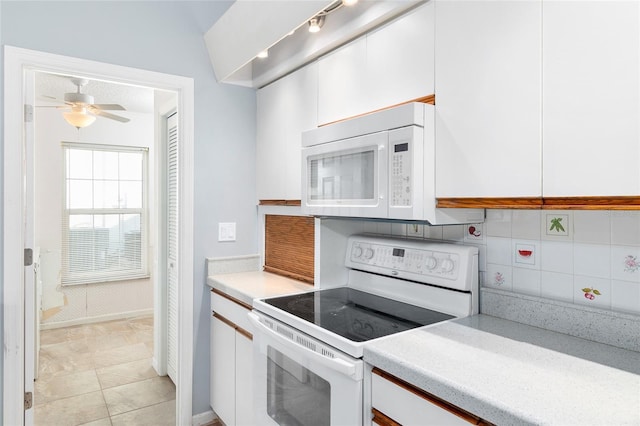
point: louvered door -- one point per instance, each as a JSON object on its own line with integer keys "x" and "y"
{"x": 172, "y": 245}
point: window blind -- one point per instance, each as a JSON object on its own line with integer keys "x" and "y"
{"x": 104, "y": 220}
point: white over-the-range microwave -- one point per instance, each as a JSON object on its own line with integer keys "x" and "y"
{"x": 380, "y": 165}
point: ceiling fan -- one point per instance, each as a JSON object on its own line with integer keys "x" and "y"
{"x": 80, "y": 109}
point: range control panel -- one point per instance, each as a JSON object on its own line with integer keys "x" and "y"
{"x": 418, "y": 260}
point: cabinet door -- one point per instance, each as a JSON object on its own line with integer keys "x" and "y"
{"x": 222, "y": 378}
{"x": 400, "y": 59}
{"x": 285, "y": 109}
{"x": 388, "y": 66}
{"x": 488, "y": 89}
{"x": 342, "y": 82}
{"x": 591, "y": 98}
{"x": 244, "y": 380}
{"x": 409, "y": 408}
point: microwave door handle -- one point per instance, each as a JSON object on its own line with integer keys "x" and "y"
{"x": 336, "y": 364}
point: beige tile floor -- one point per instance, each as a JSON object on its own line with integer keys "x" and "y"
{"x": 101, "y": 375}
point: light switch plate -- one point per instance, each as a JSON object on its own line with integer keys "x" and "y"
{"x": 226, "y": 231}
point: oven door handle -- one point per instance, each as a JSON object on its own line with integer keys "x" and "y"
{"x": 336, "y": 364}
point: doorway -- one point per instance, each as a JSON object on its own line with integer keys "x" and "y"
{"x": 97, "y": 203}
{"x": 19, "y": 144}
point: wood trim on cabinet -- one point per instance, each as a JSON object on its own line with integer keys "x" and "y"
{"x": 225, "y": 320}
{"x": 490, "y": 203}
{"x": 465, "y": 415}
{"x": 547, "y": 203}
{"x": 233, "y": 325}
{"x": 288, "y": 274}
{"x": 592, "y": 203}
{"x": 231, "y": 298}
{"x": 245, "y": 333}
{"x": 429, "y": 99}
{"x": 382, "y": 419}
{"x": 280, "y": 202}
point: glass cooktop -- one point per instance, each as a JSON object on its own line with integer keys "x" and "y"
{"x": 354, "y": 314}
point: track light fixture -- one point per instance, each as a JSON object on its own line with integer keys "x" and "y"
{"x": 317, "y": 21}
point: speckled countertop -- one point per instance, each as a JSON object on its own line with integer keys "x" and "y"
{"x": 511, "y": 373}
{"x": 246, "y": 286}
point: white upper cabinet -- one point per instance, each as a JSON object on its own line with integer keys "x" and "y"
{"x": 285, "y": 109}
{"x": 400, "y": 59}
{"x": 488, "y": 98}
{"x": 591, "y": 98}
{"x": 342, "y": 88}
{"x": 390, "y": 65}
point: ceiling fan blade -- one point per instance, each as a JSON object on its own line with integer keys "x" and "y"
{"x": 109, "y": 115}
{"x": 110, "y": 107}
{"x": 46, "y": 98}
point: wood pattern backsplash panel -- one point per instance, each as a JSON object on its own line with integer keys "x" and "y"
{"x": 289, "y": 246}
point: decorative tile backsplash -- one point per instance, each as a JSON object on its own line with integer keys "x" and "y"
{"x": 582, "y": 257}
{"x": 574, "y": 260}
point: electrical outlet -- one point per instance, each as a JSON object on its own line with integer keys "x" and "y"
{"x": 227, "y": 231}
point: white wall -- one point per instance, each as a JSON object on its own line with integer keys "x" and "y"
{"x": 82, "y": 302}
{"x": 167, "y": 36}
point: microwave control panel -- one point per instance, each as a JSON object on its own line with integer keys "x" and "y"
{"x": 400, "y": 174}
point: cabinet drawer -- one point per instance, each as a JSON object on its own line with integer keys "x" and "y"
{"x": 232, "y": 310}
{"x": 402, "y": 403}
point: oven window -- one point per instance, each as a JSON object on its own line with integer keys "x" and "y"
{"x": 295, "y": 395}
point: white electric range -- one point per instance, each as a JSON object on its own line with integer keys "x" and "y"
{"x": 308, "y": 347}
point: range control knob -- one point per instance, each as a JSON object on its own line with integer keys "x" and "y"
{"x": 357, "y": 251}
{"x": 430, "y": 263}
{"x": 447, "y": 265}
{"x": 368, "y": 253}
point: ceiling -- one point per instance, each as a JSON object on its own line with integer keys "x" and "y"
{"x": 132, "y": 98}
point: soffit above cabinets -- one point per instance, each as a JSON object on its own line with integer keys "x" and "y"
{"x": 249, "y": 27}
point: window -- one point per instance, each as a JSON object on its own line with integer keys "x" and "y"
{"x": 104, "y": 222}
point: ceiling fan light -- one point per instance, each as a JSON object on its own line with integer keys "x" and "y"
{"x": 78, "y": 119}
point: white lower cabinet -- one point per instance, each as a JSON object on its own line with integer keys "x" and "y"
{"x": 395, "y": 402}
{"x": 230, "y": 380}
{"x": 244, "y": 380}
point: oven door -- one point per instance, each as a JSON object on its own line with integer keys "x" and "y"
{"x": 346, "y": 177}
{"x": 300, "y": 381}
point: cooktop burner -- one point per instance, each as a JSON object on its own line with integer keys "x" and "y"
{"x": 354, "y": 314}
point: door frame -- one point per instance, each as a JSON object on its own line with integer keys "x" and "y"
{"x": 16, "y": 60}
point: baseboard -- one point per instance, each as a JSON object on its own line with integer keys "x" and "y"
{"x": 100, "y": 318}
{"x": 203, "y": 418}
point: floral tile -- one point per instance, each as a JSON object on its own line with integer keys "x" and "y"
{"x": 625, "y": 263}
{"x": 592, "y": 291}
{"x": 499, "y": 276}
